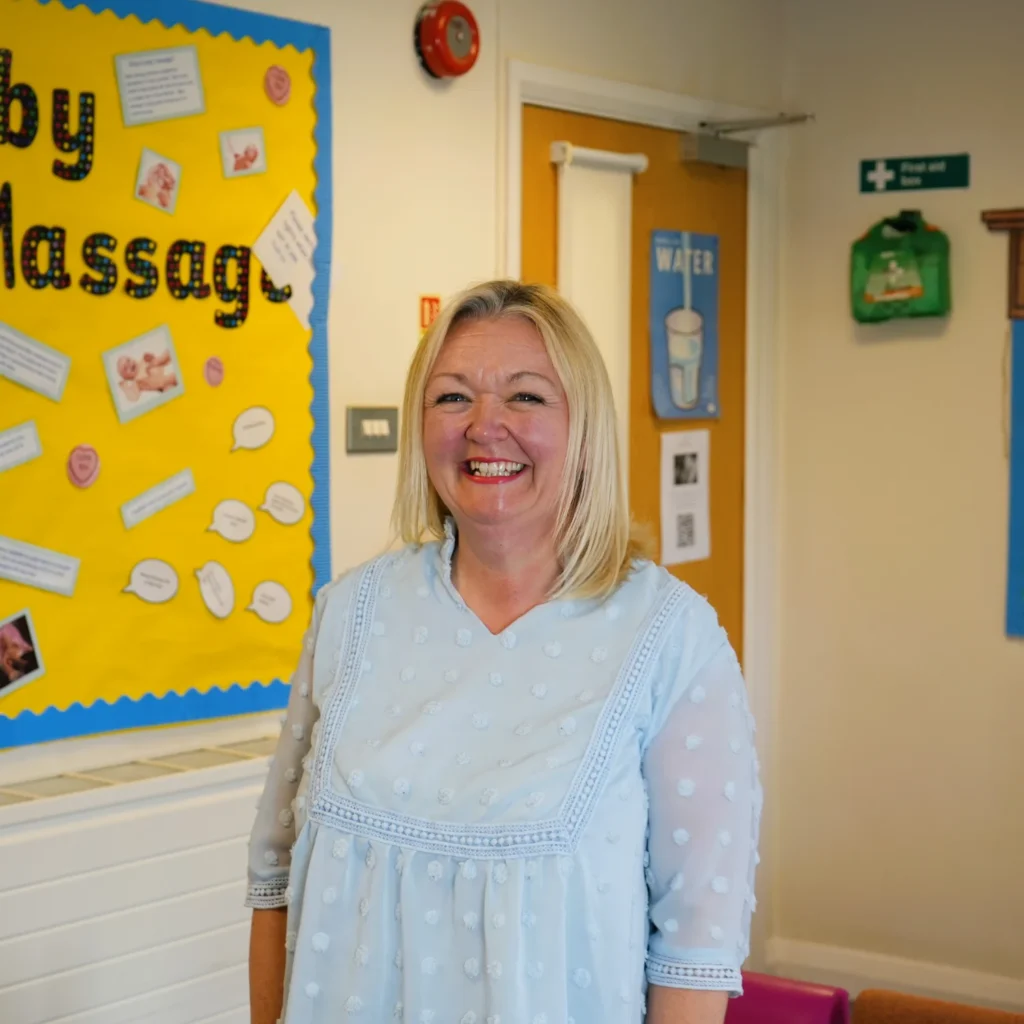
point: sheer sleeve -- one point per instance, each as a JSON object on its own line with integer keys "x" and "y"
{"x": 701, "y": 771}
{"x": 273, "y": 833}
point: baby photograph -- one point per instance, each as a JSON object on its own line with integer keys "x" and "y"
{"x": 20, "y": 661}
{"x": 243, "y": 152}
{"x": 158, "y": 181}
{"x": 143, "y": 373}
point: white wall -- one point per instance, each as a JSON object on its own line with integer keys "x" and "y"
{"x": 125, "y": 904}
{"x": 730, "y": 51}
{"x": 901, "y": 704}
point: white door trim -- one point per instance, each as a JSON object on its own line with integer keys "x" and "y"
{"x": 583, "y": 94}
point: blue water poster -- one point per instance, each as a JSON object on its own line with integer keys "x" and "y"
{"x": 684, "y": 325}
{"x": 1015, "y": 561}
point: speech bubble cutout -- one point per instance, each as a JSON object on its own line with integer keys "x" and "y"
{"x": 271, "y": 602}
{"x": 217, "y": 590}
{"x": 253, "y": 428}
{"x": 285, "y": 503}
{"x": 233, "y": 520}
{"x": 153, "y": 580}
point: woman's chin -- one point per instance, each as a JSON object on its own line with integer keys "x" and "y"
{"x": 489, "y": 509}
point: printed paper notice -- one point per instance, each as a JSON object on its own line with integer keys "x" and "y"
{"x": 19, "y": 444}
{"x": 157, "y": 498}
{"x": 157, "y": 85}
{"x": 285, "y": 248}
{"x": 32, "y": 364}
{"x": 685, "y": 523}
{"x": 37, "y": 567}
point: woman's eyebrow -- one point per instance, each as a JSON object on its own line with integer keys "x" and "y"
{"x": 514, "y": 378}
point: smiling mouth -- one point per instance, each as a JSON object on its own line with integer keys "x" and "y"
{"x": 493, "y": 470}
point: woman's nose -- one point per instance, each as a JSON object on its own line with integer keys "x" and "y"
{"x": 487, "y": 421}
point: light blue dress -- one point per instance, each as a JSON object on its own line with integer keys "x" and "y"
{"x": 513, "y": 829}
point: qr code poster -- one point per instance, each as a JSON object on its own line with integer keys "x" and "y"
{"x": 685, "y": 469}
{"x": 686, "y": 530}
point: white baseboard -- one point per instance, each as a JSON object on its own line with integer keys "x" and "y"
{"x": 856, "y": 970}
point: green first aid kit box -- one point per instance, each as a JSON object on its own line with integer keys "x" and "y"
{"x": 900, "y": 268}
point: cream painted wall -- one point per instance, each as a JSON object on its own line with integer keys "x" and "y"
{"x": 900, "y": 733}
{"x": 418, "y": 199}
{"x": 730, "y": 51}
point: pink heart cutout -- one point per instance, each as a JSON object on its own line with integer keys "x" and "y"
{"x": 278, "y": 85}
{"x": 214, "y": 372}
{"x": 83, "y": 465}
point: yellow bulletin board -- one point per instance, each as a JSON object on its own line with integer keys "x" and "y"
{"x": 165, "y": 211}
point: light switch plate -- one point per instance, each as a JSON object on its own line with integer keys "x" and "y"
{"x": 371, "y": 430}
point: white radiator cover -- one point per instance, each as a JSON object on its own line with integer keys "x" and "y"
{"x": 123, "y": 905}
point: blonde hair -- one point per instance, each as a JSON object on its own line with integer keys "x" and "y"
{"x": 595, "y": 541}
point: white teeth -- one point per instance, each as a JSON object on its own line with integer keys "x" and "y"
{"x": 495, "y": 468}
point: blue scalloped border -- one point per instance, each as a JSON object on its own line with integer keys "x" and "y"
{"x": 101, "y": 717}
{"x": 171, "y": 709}
{"x": 215, "y": 18}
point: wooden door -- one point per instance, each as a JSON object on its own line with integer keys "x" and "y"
{"x": 674, "y": 196}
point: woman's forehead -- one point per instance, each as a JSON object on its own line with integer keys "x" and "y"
{"x": 494, "y": 342}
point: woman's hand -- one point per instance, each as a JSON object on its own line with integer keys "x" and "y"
{"x": 266, "y": 965}
{"x": 683, "y": 1006}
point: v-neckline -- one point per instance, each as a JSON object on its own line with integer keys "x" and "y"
{"x": 446, "y": 553}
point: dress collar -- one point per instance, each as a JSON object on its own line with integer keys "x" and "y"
{"x": 446, "y": 553}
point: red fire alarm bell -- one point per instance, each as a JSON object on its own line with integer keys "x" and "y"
{"x": 447, "y": 38}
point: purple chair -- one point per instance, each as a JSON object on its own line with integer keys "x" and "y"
{"x": 770, "y": 1000}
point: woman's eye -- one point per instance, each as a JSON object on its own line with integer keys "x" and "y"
{"x": 448, "y": 397}
{"x": 525, "y": 396}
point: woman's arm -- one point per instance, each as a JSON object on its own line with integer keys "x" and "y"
{"x": 700, "y": 768}
{"x": 266, "y": 965}
{"x": 270, "y": 843}
{"x": 679, "y": 1006}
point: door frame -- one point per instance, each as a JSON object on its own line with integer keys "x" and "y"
{"x": 598, "y": 97}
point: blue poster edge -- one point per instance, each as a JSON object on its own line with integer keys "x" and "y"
{"x": 1015, "y": 554}
{"x": 29, "y": 728}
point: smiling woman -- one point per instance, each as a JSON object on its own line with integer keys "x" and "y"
{"x": 494, "y": 450}
{"x": 510, "y": 373}
{"x": 517, "y": 779}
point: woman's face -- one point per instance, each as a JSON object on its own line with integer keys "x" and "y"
{"x": 496, "y": 426}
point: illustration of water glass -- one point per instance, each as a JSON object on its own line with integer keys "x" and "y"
{"x": 684, "y": 329}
